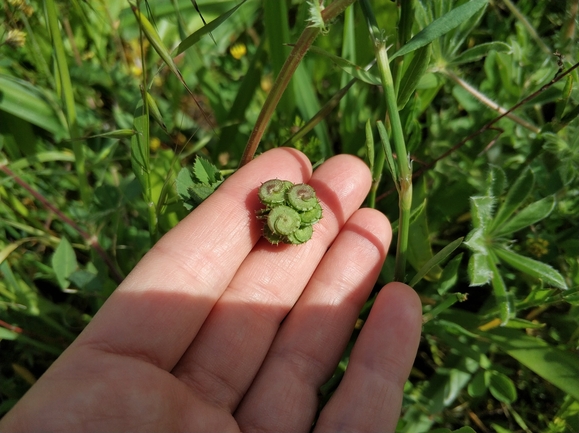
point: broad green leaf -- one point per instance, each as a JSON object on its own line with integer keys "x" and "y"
{"x": 532, "y": 267}
{"x": 436, "y": 260}
{"x": 22, "y": 100}
{"x": 200, "y": 172}
{"x": 441, "y": 26}
{"x": 194, "y": 37}
{"x": 412, "y": 75}
{"x": 479, "y": 51}
{"x": 515, "y": 197}
{"x": 502, "y": 388}
{"x": 64, "y": 262}
{"x": 478, "y": 270}
{"x": 482, "y": 211}
{"x": 349, "y": 67}
{"x": 478, "y": 385}
{"x": 212, "y": 172}
{"x": 554, "y": 365}
{"x": 532, "y": 214}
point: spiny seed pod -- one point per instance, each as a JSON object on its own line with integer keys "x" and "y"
{"x": 290, "y": 210}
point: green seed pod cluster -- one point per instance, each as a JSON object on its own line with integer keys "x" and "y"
{"x": 290, "y": 211}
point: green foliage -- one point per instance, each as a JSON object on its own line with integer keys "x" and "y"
{"x": 116, "y": 120}
{"x": 195, "y": 185}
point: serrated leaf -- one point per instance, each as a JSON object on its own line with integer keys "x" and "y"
{"x": 441, "y": 26}
{"x": 350, "y": 68}
{"x": 532, "y": 214}
{"x": 481, "y": 208}
{"x": 64, "y": 262}
{"x": 212, "y": 172}
{"x": 183, "y": 182}
{"x": 515, "y": 197}
{"x": 200, "y": 172}
{"x": 479, "y": 51}
{"x": 199, "y": 193}
{"x": 502, "y": 388}
{"x": 534, "y": 268}
{"x": 413, "y": 75}
{"x": 435, "y": 260}
{"x": 479, "y": 272}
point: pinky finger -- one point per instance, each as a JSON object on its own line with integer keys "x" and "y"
{"x": 370, "y": 395}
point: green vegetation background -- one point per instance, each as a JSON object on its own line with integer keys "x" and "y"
{"x": 101, "y": 108}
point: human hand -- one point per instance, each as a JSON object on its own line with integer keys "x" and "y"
{"x": 215, "y": 330}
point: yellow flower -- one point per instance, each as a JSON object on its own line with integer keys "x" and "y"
{"x": 238, "y": 50}
{"x": 154, "y": 144}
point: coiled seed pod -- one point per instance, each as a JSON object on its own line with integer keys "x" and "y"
{"x": 290, "y": 210}
{"x": 273, "y": 191}
{"x": 283, "y": 220}
{"x": 302, "y": 197}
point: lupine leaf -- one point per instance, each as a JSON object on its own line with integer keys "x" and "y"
{"x": 532, "y": 214}
{"x": 515, "y": 197}
{"x": 441, "y": 26}
{"x": 532, "y": 267}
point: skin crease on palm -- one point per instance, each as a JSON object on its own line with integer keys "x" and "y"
{"x": 215, "y": 330}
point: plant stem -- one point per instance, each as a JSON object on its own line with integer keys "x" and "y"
{"x": 292, "y": 62}
{"x": 403, "y": 165}
{"x": 517, "y": 13}
{"x": 489, "y": 102}
{"x": 91, "y": 240}
{"x": 68, "y": 97}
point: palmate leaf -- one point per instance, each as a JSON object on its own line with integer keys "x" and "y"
{"x": 515, "y": 197}
{"x": 532, "y": 214}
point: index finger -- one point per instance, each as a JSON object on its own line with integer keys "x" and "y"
{"x": 159, "y": 308}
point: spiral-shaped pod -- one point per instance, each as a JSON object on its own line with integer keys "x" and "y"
{"x": 301, "y": 235}
{"x": 312, "y": 216}
{"x": 291, "y": 211}
{"x": 273, "y": 191}
{"x": 283, "y": 220}
{"x": 302, "y": 197}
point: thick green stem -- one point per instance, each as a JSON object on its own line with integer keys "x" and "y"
{"x": 403, "y": 165}
{"x": 292, "y": 62}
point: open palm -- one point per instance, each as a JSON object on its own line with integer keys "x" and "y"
{"x": 215, "y": 330}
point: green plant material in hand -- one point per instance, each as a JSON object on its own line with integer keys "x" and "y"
{"x": 290, "y": 211}
{"x": 195, "y": 185}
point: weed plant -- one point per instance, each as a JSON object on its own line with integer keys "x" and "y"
{"x": 117, "y": 118}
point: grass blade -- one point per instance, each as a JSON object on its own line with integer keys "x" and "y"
{"x": 436, "y": 260}
{"x": 194, "y": 37}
